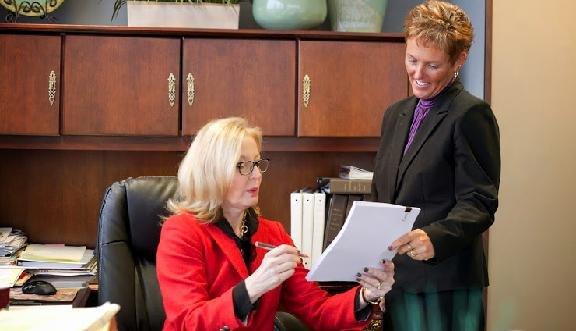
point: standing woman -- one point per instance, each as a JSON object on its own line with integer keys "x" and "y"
{"x": 439, "y": 151}
{"x": 211, "y": 275}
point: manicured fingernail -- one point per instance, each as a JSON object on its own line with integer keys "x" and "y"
{"x": 357, "y": 279}
{"x": 358, "y": 274}
{"x": 390, "y": 248}
{"x": 365, "y": 269}
{"x": 384, "y": 260}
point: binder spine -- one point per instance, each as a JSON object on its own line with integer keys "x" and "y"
{"x": 296, "y": 218}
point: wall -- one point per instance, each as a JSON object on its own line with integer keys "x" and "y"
{"x": 532, "y": 244}
{"x": 472, "y": 74}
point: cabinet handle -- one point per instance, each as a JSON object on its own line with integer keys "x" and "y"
{"x": 171, "y": 89}
{"x": 191, "y": 89}
{"x": 306, "y": 86}
{"x": 52, "y": 87}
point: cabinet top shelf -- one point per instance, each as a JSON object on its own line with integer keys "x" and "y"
{"x": 241, "y": 33}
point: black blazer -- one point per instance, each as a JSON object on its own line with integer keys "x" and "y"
{"x": 452, "y": 172}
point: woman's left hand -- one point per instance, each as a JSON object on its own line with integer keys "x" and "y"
{"x": 416, "y": 244}
{"x": 376, "y": 283}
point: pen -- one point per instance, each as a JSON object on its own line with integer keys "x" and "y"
{"x": 269, "y": 247}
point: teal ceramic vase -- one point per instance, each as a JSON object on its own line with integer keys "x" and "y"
{"x": 357, "y": 15}
{"x": 289, "y": 14}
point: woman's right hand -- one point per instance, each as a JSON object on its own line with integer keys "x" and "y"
{"x": 277, "y": 266}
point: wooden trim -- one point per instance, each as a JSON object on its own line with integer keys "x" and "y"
{"x": 212, "y": 33}
{"x": 180, "y": 144}
{"x": 488, "y": 52}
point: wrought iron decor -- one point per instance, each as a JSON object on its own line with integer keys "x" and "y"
{"x": 39, "y": 8}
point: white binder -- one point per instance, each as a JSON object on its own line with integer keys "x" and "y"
{"x": 319, "y": 225}
{"x": 307, "y": 225}
{"x": 296, "y": 218}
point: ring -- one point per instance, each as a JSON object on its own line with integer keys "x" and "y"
{"x": 412, "y": 254}
{"x": 379, "y": 287}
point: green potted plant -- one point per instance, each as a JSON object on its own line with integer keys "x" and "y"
{"x": 217, "y": 14}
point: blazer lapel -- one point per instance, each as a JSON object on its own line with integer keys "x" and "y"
{"x": 434, "y": 118}
{"x": 436, "y": 115}
{"x": 228, "y": 246}
{"x": 400, "y": 134}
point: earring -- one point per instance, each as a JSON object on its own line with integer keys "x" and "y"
{"x": 456, "y": 73}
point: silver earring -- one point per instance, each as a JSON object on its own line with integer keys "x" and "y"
{"x": 456, "y": 74}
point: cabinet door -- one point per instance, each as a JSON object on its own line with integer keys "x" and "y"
{"x": 121, "y": 85}
{"x": 254, "y": 79}
{"x": 29, "y": 84}
{"x": 348, "y": 86}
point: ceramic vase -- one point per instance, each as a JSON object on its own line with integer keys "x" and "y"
{"x": 357, "y": 15}
{"x": 289, "y": 14}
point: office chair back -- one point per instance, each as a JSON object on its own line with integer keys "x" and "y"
{"x": 128, "y": 236}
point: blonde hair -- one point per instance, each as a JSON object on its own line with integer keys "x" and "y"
{"x": 442, "y": 24}
{"x": 209, "y": 166}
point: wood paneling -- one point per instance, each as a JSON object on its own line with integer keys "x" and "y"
{"x": 352, "y": 84}
{"x": 55, "y": 196}
{"x": 253, "y": 79}
{"x": 26, "y": 62}
{"x": 119, "y": 85}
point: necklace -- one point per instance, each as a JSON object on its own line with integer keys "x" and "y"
{"x": 243, "y": 226}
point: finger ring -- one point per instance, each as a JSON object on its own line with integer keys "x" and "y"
{"x": 412, "y": 254}
{"x": 379, "y": 287}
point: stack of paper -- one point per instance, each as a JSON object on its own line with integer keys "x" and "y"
{"x": 352, "y": 172}
{"x": 11, "y": 240}
{"x": 369, "y": 230}
{"x": 9, "y": 275}
{"x": 55, "y": 257}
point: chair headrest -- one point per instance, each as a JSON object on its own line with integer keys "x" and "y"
{"x": 133, "y": 209}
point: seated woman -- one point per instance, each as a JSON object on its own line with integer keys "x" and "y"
{"x": 211, "y": 275}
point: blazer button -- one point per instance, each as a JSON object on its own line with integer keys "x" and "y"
{"x": 225, "y": 328}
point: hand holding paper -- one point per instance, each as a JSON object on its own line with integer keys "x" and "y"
{"x": 370, "y": 229}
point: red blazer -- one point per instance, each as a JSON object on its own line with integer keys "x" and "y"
{"x": 198, "y": 265}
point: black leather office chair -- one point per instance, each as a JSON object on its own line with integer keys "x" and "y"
{"x": 128, "y": 236}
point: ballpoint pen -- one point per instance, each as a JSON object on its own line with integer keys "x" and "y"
{"x": 269, "y": 247}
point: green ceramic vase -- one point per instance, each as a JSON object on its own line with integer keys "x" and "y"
{"x": 357, "y": 15}
{"x": 289, "y": 14}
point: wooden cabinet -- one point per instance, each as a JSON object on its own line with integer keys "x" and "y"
{"x": 29, "y": 84}
{"x": 122, "y": 114}
{"x": 120, "y": 85}
{"x": 251, "y": 78}
{"x": 345, "y": 86}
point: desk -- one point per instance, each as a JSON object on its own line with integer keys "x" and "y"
{"x": 75, "y": 298}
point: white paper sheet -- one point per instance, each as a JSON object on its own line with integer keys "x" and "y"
{"x": 363, "y": 241}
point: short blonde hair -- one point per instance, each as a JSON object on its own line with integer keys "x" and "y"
{"x": 442, "y": 24}
{"x": 209, "y": 166}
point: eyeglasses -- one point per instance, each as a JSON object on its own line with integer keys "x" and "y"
{"x": 245, "y": 168}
